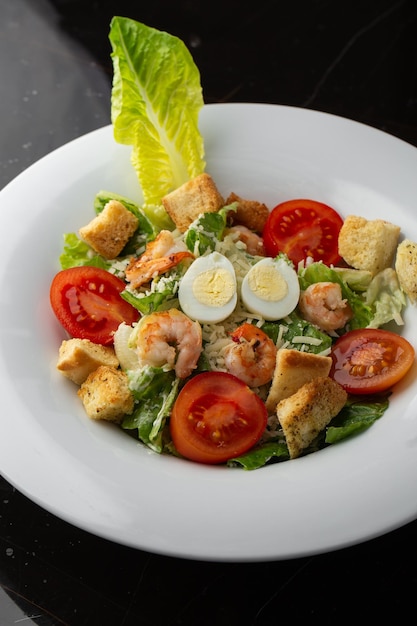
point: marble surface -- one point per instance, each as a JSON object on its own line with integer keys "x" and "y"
{"x": 357, "y": 60}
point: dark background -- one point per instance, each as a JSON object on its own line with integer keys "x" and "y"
{"x": 356, "y": 59}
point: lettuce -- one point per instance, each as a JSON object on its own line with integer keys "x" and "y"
{"x": 158, "y": 216}
{"x": 103, "y": 197}
{"x": 161, "y": 300}
{"x": 203, "y": 234}
{"x": 76, "y": 252}
{"x": 155, "y": 392}
{"x": 294, "y": 328}
{"x": 357, "y": 415}
{"x": 386, "y": 298}
{"x": 260, "y": 455}
{"x": 155, "y": 103}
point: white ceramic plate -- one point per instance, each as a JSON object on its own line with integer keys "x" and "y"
{"x": 95, "y": 476}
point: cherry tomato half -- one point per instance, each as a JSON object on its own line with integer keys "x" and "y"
{"x": 86, "y": 300}
{"x": 216, "y": 417}
{"x": 302, "y": 228}
{"x": 369, "y": 360}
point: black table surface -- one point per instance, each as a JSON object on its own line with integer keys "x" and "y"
{"x": 356, "y": 59}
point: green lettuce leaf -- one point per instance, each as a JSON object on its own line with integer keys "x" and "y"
{"x": 386, "y": 298}
{"x": 155, "y": 301}
{"x": 158, "y": 216}
{"x": 155, "y": 104}
{"x": 358, "y": 280}
{"x": 203, "y": 234}
{"x": 76, "y": 252}
{"x": 261, "y": 455}
{"x": 357, "y": 415}
{"x": 103, "y": 197}
{"x": 155, "y": 392}
{"x": 295, "y": 328}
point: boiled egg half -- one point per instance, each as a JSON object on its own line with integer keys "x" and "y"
{"x": 271, "y": 288}
{"x": 207, "y": 291}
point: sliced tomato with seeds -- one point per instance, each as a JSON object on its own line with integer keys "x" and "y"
{"x": 302, "y": 228}
{"x": 86, "y": 301}
{"x": 216, "y": 417}
{"x": 370, "y": 360}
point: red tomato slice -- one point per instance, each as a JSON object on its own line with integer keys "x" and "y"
{"x": 302, "y": 228}
{"x": 369, "y": 360}
{"x": 86, "y": 300}
{"x": 216, "y": 417}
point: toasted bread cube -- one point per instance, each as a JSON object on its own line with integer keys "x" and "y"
{"x": 406, "y": 268}
{"x": 293, "y": 369}
{"x": 307, "y": 412}
{"x": 106, "y": 394}
{"x": 110, "y": 230}
{"x": 249, "y": 213}
{"x": 368, "y": 245}
{"x": 79, "y": 357}
{"x": 185, "y": 204}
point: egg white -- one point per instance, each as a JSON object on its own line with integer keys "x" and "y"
{"x": 271, "y": 289}
{"x": 208, "y": 290}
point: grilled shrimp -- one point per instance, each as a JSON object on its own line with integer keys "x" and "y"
{"x": 322, "y": 304}
{"x": 251, "y": 356}
{"x": 254, "y": 243}
{"x": 171, "y": 339}
{"x": 161, "y": 255}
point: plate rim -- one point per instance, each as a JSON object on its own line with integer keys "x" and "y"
{"x": 164, "y": 544}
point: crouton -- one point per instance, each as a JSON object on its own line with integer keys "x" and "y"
{"x": 106, "y": 395}
{"x": 249, "y": 213}
{"x": 79, "y": 357}
{"x": 293, "y": 369}
{"x": 307, "y": 412}
{"x": 406, "y": 268}
{"x": 110, "y": 230}
{"x": 368, "y": 245}
{"x": 185, "y": 204}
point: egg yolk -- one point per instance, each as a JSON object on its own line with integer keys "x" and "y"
{"x": 267, "y": 283}
{"x": 214, "y": 287}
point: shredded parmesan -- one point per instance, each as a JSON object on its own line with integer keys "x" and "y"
{"x": 311, "y": 341}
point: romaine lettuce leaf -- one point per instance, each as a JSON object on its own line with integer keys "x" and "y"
{"x": 206, "y": 230}
{"x": 295, "y": 328}
{"x": 103, "y": 197}
{"x": 154, "y": 301}
{"x": 261, "y": 455}
{"x": 155, "y": 104}
{"x": 77, "y": 252}
{"x": 158, "y": 216}
{"x": 357, "y": 415}
{"x": 386, "y": 298}
{"x": 155, "y": 391}
{"x": 358, "y": 280}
